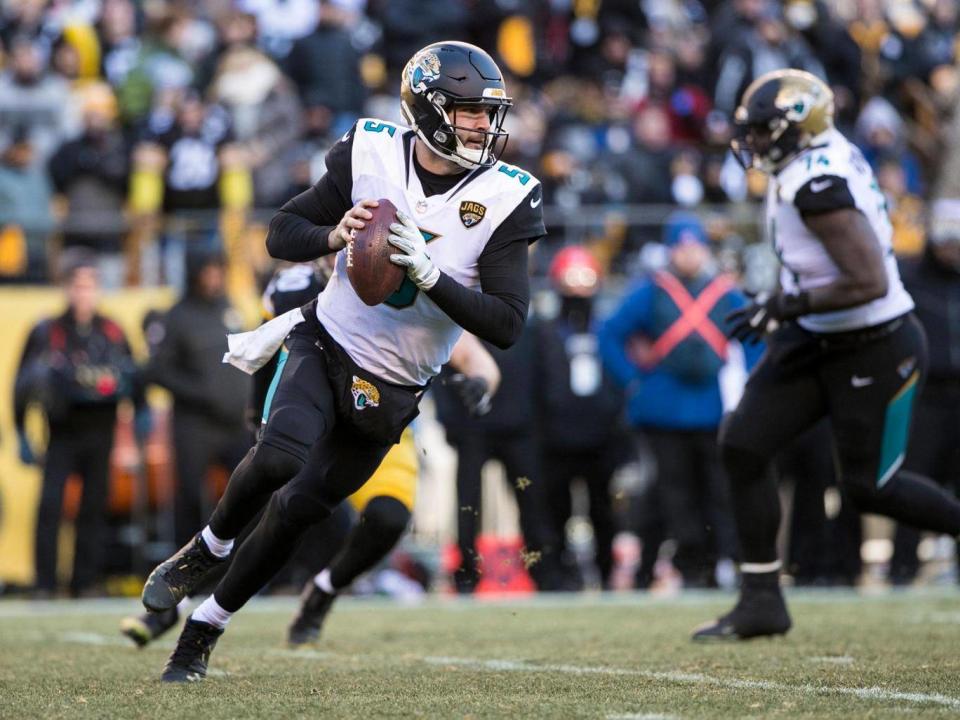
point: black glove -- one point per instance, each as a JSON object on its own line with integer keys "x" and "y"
{"x": 764, "y": 314}
{"x": 474, "y": 393}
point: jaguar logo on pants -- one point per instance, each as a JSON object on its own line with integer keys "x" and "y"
{"x": 364, "y": 394}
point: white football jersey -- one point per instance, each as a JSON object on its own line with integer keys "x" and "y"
{"x": 833, "y": 168}
{"x": 408, "y": 337}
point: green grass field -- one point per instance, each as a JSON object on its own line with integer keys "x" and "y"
{"x": 618, "y": 657}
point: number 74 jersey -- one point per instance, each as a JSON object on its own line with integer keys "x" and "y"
{"x": 830, "y": 175}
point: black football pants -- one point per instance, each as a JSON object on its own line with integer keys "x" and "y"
{"x": 305, "y": 463}
{"x": 865, "y": 384}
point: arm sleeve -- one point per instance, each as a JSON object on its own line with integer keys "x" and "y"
{"x": 823, "y": 194}
{"x": 25, "y": 384}
{"x": 299, "y": 230}
{"x": 630, "y": 318}
{"x": 498, "y": 313}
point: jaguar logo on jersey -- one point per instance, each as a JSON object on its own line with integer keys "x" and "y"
{"x": 364, "y": 394}
{"x": 424, "y": 68}
{"x": 471, "y": 213}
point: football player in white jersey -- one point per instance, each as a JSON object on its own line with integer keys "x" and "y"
{"x": 842, "y": 341}
{"x": 353, "y": 374}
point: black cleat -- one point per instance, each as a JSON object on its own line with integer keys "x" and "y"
{"x": 174, "y": 579}
{"x": 314, "y": 606}
{"x": 758, "y": 613}
{"x": 149, "y": 626}
{"x": 188, "y": 663}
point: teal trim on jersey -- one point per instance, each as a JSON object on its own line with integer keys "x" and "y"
{"x": 896, "y": 428}
{"x": 271, "y": 391}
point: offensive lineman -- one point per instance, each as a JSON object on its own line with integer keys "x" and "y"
{"x": 842, "y": 340}
{"x": 354, "y": 374}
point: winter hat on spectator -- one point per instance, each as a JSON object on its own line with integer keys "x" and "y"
{"x": 879, "y": 114}
{"x": 574, "y": 271}
{"x": 682, "y": 227}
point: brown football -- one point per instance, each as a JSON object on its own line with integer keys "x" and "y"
{"x": 373, "y": 276}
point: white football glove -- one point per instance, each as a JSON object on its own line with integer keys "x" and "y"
{"x": 406, "y": 237}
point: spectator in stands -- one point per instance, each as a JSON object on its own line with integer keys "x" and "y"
{"x": 160, "y": 65}
{"x": 203, "y": 171}
{"x": 92, "y": 173}
{"x": 77, "y": 366}
{"x": 265, "y": 117}
{"x": 665, "y": 345}
{"x": 579, "y": 410}
{"x": 280, "y": 23}
{"x": 119, "y": 43}
{"x": 32, "y": 98}
{"x": 880, "y": 133}
{"x": 770, "y": 44}
{"x": 934, "y": 283}
{"x": 905, "y": 209}
{"x": 209, "y": 398}
{"x": 330, "y": 45}
{"x": 26, "y": 216}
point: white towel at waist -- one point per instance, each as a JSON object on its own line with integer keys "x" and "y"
{"x": 250, "y": 351}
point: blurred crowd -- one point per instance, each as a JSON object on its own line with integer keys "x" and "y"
{"x": 127, "y": 126}
{"x": 130, "y": 130}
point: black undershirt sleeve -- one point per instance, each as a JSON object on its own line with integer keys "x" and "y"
{"x": 823, "y": 194}
{"x": 497, "y": 314}
{"x": 299, "y": 230}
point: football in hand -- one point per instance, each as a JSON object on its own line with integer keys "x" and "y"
{"x": 373, "y": 276}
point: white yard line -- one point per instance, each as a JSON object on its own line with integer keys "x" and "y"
{"x": 642, "y": 716}
{"x": 685, "y": 678}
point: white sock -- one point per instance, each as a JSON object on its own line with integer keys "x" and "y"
{"x": 322, "y": 581}
{"x": 760, "y": 567}
{"x": 211, "y": 613}
{"x": 220, "y": 548}
{"x": 184, "y": 605}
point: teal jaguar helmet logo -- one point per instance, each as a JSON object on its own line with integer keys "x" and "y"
{"x": 424, "y": 68}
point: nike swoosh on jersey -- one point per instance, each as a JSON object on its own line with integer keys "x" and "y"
{"x": 816, "y": 187}
{"x": 534, "y": 203}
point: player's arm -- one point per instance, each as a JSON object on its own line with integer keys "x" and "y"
{"x": 318, "y": 221}
{"x": 496, "y": 314}
{"x": 830, "y": 212}
{"x": 852, "y": 245}
{"x": 471, "y": 358}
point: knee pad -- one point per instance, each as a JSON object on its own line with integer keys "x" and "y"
{"x": 386, "y": 516}
{"x": 275, "y": 466}
{"x": 302, "y": 509}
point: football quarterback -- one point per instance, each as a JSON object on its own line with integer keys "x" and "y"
{"x": 842, "y": 340}
{"x": 353, "y": 374}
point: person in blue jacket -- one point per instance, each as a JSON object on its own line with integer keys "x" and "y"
{"x": 666, "y": 345}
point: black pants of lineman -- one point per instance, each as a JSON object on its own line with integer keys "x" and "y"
{"x": 934, "y": 452}
{"x": 304, "y": 464}
{"x": 82, "y": 444}
{"x": 518, "y": 453}
{"x": 694, "y": 499}
{"x": 864, "y": 381}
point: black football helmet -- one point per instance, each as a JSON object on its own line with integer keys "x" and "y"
{"x": 780, "y": 115}
{"x": 442, "y": 76}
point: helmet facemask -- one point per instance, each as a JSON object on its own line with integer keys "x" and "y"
{"x": 440, "y": 132}
{"x": 766, "y": 146}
